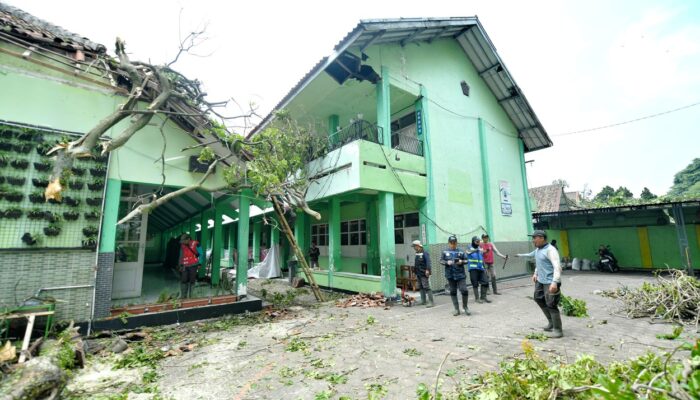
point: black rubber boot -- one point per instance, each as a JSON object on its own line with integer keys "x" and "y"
{"x": 465, "y": 300}
{"x": 184, "y": 290}
{"x": 430, "y": 298}
{"x": 422, "y": 297}
{"x": 484, "y": 288}
{"x": 493, "y": 283}
{"x": 455, "y": 303}
{"x": 556, "y": 324}
{"x": 190, "y": 290}
{"x": 476, "y": 295}
{"x": 549, "y": 326}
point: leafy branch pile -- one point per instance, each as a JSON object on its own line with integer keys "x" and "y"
{"x": 675, "y": 297}
{"x": 529, "y": 376}
{"x": 573, "y": 307}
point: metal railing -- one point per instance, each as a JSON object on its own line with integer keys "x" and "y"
{"x": 407, "y": 142}
{"x": 359, "y": 129}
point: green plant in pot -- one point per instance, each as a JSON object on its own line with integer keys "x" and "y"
{"x": 19, "y": 164}
{"x": 11, "y": 213}
{"x": 52, "y": 230}
{"x": 71, "y": 215}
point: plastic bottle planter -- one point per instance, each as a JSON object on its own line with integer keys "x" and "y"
{"x": 6, "y": 146}
{"x": 40, "y": 183}
{"x": 98, "y": 171}
{"x": 43, "y": 167}
{"x": 37, "y": 214}
{"x": 37, "y": 197}
{"x": 89, "y": 231}
{"x": 28, "y": 239}
{"x": 3, "y": 161}
{"x": 76, "y": 185}
{"x": 94, "y": 201}
{"x": 97, "y": 184}
{"x": 92, "y": 216}
{"x": 90, "y": 242}
{"x": 13, "y": 197}
{"x": 52, "y": 230}
{"x": 42, "y": 149}
{"x": 7, "y": 133}
{"x": 71, "y": 202}
{"x": 71, "y": 215}
{"x": 2, "y": 180}
{"x": 22, "y": 148}
{"x": 78, "y": 171}
{"x": 19, "y": 164}
{"x": 15, "y": 181}
{"x": 11, "y": 213}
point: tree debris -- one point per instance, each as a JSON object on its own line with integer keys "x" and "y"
{"x": 363, "y": 300}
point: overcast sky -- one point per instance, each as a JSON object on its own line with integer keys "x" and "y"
{"x": 581, "y": 64}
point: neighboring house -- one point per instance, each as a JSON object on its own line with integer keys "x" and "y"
{"x": 553, "y": 198}
{"x": 428, "y": 130}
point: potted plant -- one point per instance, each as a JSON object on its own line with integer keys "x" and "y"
{"x": 40, "y": 182}
{"x": 37, "y": 197}
{"x": 43, "y": 167}
{"x": 3, "y": 161}
{"x": 98, "y": 171}
{"x": 52, "y": 217}
{"x": 36, "y": 214}
{"x": 13, "y": 196}
{"x": 22, "y": 148}
{"x": 89, "y": 242}
{"x": 11, "y": 213}
{"x": 94, "y": 201}
{"x": 52, "y": 230}
{"x": 2, "y": 180}
{"x": 97, "y": 184}
{"x": 42, "y": 149}
{"x": 90, "y": 231}
{"x": 7, "y": 146}
{"x": 92, "y": 215}
{"x": 19, "y": 164}
{"x": 15, "y": 180}
{"x": 7, "y": 133}
{"x": 76, "y": 185}
{"x": 71, "y": 215}
{"x": 71, "y": 201}
{"x": 28, "y": 239}
{"x": 78, "y": 171}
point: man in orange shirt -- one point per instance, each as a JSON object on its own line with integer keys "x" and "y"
{"x": 188, "y": 265}
{"x": 489, "y": 250}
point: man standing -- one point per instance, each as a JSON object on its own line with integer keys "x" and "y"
{"x": 477, "y": 271}
{"x": 188, "y": 265}
{"x": 314, "y": 252}
{"x": 489, "y": 250}
{"x": 453, "y": 260}
{"x": 422, "y": 268}
{"x": 547, "y": 279}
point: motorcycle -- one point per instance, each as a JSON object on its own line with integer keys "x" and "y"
{"x": 607, "y": 261}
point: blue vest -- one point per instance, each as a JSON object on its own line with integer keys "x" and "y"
{"x": 545, "y": 268}
{"x": 454, "y": 271}
{"x": 475, "y": 260}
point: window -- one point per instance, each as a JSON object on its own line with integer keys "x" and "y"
{"x": 411, "y": 220}
{"x": 353, "y": 233}
{"x": 319, "y": 234}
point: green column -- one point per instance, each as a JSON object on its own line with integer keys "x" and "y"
{"x": 384, "y": 107}
{"x": 372, "y": 239}
{"x": 217, "y": 246}
{"x": 334, "y": 262}
{"x": 427, "y": 207}
{"x": 204, "y": 221}
{"x": 387, "y": 247}
{"x": 110, "y": 216}
{"x": 231, "y": 242}
{"x": 523, "y": 172}
{"x": 333, "y": 124}
{"x": 275, "y": 240}
{"x": 243, "y": 229}
{"x": 257, "y": 235}
{"x": 300, "y": 233}
{"x": 486, "y": 180}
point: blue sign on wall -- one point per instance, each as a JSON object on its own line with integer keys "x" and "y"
{"x": 419, "y": 122}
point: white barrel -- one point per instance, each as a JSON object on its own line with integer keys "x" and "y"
{"x": 576, "y": 264}
{"x": 586, "y": 264}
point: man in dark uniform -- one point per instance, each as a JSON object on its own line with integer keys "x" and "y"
{"x": 314, "y": 252}
{"x": 422, "y": 268}
{"x": 454, "y": 259}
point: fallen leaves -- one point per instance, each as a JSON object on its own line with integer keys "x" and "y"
{"x": 363, "y": 300}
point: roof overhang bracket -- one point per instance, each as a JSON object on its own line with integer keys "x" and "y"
{"x": 411, "y": 36}
{"x": 497, "y": 66}
{"x": 374, "y": 38}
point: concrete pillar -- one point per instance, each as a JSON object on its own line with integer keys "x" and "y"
{"x": 372, "y": 239}
{"x": 523, "y": 172}
{"x": 217, "y": 246}
{"x": 257, "y": 236}
{"x": 243, "y": 230}
{"x": 387, "y": 249}
{"x": 108, "y": 234}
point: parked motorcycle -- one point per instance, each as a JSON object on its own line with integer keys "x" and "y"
{"x": 606, "y": 260}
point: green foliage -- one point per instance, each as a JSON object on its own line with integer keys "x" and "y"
{"x": 647, "y": 194}
{"x": 673, "y": 335}
{"x": 124, "y": 317}
{"x": 371, "y": 320}
{"x": 605, "y": 194}
{"x": 537, "y": 336}
{"x": 375, "y": 391}
{"x": 412, "y": 352}
{"x": 140, "y": 356}
{"x": 573, "y": 307}
{"x": 206, "y": 156}
{"x": 297, "y": 344}
{"x": 687, "y": 181}
{"x": 65, "y": 357}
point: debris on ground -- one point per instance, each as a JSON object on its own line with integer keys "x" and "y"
{"x": 673, "y": 298}
{"x": 363, "y": 300}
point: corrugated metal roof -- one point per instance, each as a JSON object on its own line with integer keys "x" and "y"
{"x": 474, "y": 41}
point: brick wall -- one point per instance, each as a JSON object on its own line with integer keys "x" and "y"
{"x": 103, "y": 293}
{"x": 22, "y": 273}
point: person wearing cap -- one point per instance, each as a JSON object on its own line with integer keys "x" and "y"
{"x": 477, "y": 271}
{"x": 453, "y": 259}
{"x": 489, "y": 250}
{"x": 421, "y": 267}
{"x": 547, "y": 279}
{"x": 188, "y": 265}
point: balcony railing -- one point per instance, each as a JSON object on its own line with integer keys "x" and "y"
{"x": 359, "y": 129}
{"x": 405, "y": 140}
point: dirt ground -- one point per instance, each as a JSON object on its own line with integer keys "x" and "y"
{"x": 326, "y": 352}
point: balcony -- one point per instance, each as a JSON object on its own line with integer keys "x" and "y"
{"x": 405, "y": 139}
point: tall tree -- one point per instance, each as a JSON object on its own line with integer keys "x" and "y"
{"x": 623, "y": 192}
{"x": 647, "y": 194}
{"x": 605, "y": 194}
{"x": 687, "y": 181}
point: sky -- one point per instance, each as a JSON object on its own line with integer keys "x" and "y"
{"x": 581, "y": 65}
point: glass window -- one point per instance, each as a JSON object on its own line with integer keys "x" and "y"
{"x": 354, "y": 239}
{"x": 314, "y": 229}
{"x": 398, "y": 236}
{"x": 353, "y": 226}
{"x": 363, "y": 225}
{"x": 363, "y": 238}
{"x": 411, "y": 220}
{"x": 398, "y": 221}
{"x": 344, "y": 239}
{"x": 344, "y": 226}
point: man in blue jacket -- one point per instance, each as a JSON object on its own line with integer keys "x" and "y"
{"x": 422, "y": 268}
{"x": 453, "y": 259}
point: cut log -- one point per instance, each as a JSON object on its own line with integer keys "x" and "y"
{"x": 38, "y": 378}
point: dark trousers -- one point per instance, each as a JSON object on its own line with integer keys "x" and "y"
{"x": 490, "y": 271}
{"x": 423, "y": 282}
{"x": 478, "y": 277}
{"x": 461, "y": 284}
{"x": 544, "y": 299}
{"x": 188, "y": 274}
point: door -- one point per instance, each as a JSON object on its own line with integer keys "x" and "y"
{"x": 129, "y": 254}
{"x": 406, "y": 230}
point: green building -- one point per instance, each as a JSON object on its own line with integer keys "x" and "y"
{"x": 428, "y": 132}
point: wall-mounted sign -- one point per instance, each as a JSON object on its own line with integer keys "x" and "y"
{"x": 419, "y": 122}
{"x": 506, "y": 206}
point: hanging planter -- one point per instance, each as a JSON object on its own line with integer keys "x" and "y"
{"x": 36, "y": 214}
{"x": 37, "y": 197}
{"x": 98, "y": 171}
{"x": 52, "y": 230}
{"x": 7, "y": 133}
{"x": 71, "y": 215}
{"x": 22, "y": 148}
{"x": 25, "y": 135}
{"x": 40, "y": 183}
{"x": 2, "y": 180}
{"x": 3, "y": 161}
{"x": 92, "y": 216}
{"x": 78, "y": 171}
{"x": 52, "y": 217}
{"x": 42, "y": 149}
{"x": 13, "y": 196}
{"x": 69, "y": 201}
{"x": 43, "y": 167}
{"x": 28, "y": 239}
{"x": 11, "y": 213}
{"x": 89, "y": 242}
{"x": 97, "y": 184}
{"x": 94, "y": 201}
{"x": 90, "y": 231}
{"x": 7, "y": 146}
{"x": 76, "y": 185}
{"x": 16, "y": 181}
{"x": 19, "y": 164}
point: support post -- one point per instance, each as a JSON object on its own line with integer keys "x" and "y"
{"x": 486, "y": 180}
{"x": 108, "y": 234}
{"x": 427, "y": 207}
{"x": 243, "y": 230}
{"x": 232, "y": 243}
{"x": 372, "y": 239}
{"x": 387, "y": 249}
{"x": 384, "y": 107}
{"x": 257, "y": 236}
{"x": 217, "y": 246}
{"x": 334, "y": 263}
{"x": 523, "y": 172}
